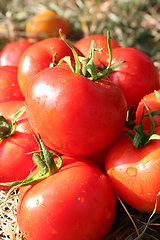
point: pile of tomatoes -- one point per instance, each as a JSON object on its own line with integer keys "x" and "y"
{"x": 65, "y": 111}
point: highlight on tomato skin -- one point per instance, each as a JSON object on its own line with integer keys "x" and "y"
{"x": 134, "y": 172}
{"x": 77, "y": 202}
{"x": 12, "y": 52}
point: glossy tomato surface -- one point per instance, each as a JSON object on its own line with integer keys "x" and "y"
{"x": 136, "y": 77}
{"x": 9, "y": 89}
{"x": 40, "y": 56}
{"x": 77, "y": 202}
{"x": 74, "y": 115}
{"x": 153, "y": 104}
{"x": 101, "y": 42}
{"x": 134, "y": 172}
{"x": 15, "y": 164}
{"x": 12, "y": 52}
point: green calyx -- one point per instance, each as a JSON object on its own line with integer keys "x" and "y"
{"x": 140, "y": 138}
{"x": 7, "y": 129}
{"x": 85, "y": 66}
{"x": 46, "y": 164}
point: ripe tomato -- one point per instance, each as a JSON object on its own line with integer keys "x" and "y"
{"x": 153, "y": 104}
{"x": 47, "y": 24}
{"x": 38, "y": 57}
{"x": 101, "y": 42}
{"x": 15, "y": 164}
{"x": 136, "y": 77}
{"x": 134, "y": 172}
{"x": 74, "y": 115}
{"x": 11, "y": 53}
{"x": 77, "y": 202}
{"x": 9, "y": 84}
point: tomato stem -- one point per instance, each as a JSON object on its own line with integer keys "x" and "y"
{"x": 7, "y": 129}
{"x": 45, "y": 162}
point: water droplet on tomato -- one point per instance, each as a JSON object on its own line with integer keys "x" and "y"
{"x": 81, "y": 199}
{"x": 131, "y": 171}
{"x": 125, "y": 66}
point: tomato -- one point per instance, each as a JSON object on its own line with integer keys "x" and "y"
{"x": 9, "y": 84}
{"x": 136, "y": 77}
{"x": 47, "y": 24}
{"x": 74, "y": 115}
{"x": 77, "y": 202}
{"x": 15, "y": 164}
{"x": 38, "y": 57}
{"x": 11, "y": 53}
{"x": 153, "y": 104}
{"x": 134, "y": 172}
{"x": 101, "y": 42}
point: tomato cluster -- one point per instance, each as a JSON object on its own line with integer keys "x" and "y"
{"x": 79, "y": 125}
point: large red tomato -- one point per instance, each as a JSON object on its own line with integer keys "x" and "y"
{"x": 74, "y": 115}
{"x": 134, "y": 172}
{"x": 136, "y": 77}
{"x": 12, "y": 52}
{"x": 101, "y": 42}
{"x": 15, "y": 164}
{"x": 9, "y": 89}
{"x": 77, "y": 202}
{"x": 38, "y": 57}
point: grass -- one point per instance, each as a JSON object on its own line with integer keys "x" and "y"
{"x": 134, "y": 23}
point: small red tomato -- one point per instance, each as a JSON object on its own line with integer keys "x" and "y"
{"x": 77, "y": 202}
{"x": 15, "y": 164}
{"x": 101, "y": 42}
{"x": 136, "y": 77}
{"x": 153, "y": 104}
{"x": 40, "y": 56}
{"x": 10, "y": 89}
{"x": 134, "y": 172}
{"x": 12, "y": 52}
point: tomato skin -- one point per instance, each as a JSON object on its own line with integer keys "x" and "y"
{"x": 136, "y": 77}
{"x": 134, "y": 172}
{"x": 38, "y": 57}
{"x": 153, "y": 104}
{"x": 76, "y": 110}
{"x": 47, "y": 24}
{"x": 12, "y": 52}
{"x": 9, "y": 84}
{"x": 101, "y": 42}
{"x": 15, "y": 164}
{"x": 77, "y": 202}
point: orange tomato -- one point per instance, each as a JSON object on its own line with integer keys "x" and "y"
{"x": 47, "y": 24}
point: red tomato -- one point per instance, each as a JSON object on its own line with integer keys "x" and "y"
{"x": 77, "y": 202}
{"x": 153, "y": 104}
{"x": 15, "y": 164}
{"x": 47, "y": 24}
{"x": 11, "y": 53}
{"x": 74, "y": 115}
{"x": 136, "y": 77}
{"x": 134, "y": 172}
{"x": 9, "y": 84}
{"x": 101, "y": 42}
{"x": 38, "y": 57}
